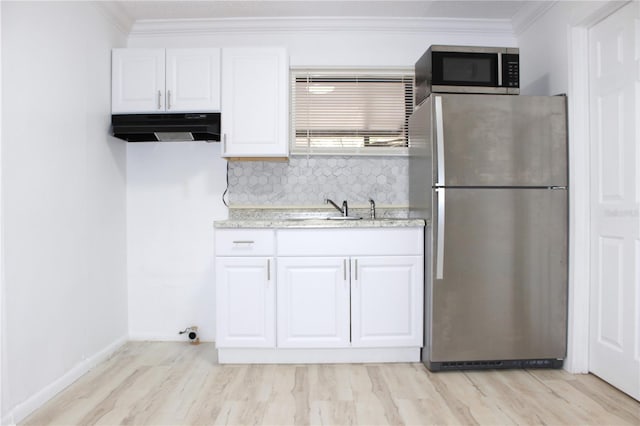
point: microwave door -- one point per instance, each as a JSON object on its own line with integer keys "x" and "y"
{"x": 466, "y": 69}
{"x": 467, "y": 72}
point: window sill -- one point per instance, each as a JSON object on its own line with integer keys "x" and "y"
{"x": 381, "y": 152}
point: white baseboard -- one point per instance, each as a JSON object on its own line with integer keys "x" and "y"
{"x": 316, "y": 356}
{"x": 22, "y": 410}
{"x": 147, "y": 337}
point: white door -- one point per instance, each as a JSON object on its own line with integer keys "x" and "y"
{"x": 245, "y": 302}
{"x": 137, "y": 80}
{"x": 193, "y": 80}
{"x": 255, "y": 102}
{"x": 313, "y": 302}
{"x": 615, "y": 238}
{"x": 386, "y": 301}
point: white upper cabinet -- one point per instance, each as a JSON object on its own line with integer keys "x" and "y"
{"x": 193, "y": 80}
{"x": 255, "y": 102}
{"x": 165, "y": 80}
{"x": 137, "y": 80}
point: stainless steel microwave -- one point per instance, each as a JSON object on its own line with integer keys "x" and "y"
{"x": 467, "y": 69}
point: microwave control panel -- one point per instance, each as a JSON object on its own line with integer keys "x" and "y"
{"x": 510, "y": 70}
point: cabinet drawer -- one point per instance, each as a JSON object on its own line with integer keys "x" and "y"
{"x": 350, "y": 242}
{"x": 245, "y": 242}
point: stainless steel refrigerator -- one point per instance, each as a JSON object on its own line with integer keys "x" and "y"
{"x": 489, "y": 172}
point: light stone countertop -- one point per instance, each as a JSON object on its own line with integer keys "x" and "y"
{"x": 318, "y": 223}
{"x": 303, "y": 218}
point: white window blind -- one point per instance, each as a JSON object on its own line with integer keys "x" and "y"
{"x": 347, "y": 112}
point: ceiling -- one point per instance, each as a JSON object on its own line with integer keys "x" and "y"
{"x": 189, "y": 9}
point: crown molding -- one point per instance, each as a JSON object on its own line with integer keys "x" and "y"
{"x": 116, "y": 14}
{"x": 530, "y": 13}
{"x": 495, "y": 27}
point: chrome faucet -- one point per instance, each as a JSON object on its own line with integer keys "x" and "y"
{"x": 344, "y": 210}
{"x": 372, "y": 205}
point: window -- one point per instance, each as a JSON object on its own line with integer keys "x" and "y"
{"x": 347, "y": 112}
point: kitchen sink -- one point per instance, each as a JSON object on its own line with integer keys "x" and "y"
{"x": 309, "y": 217}
{"x": 301, "y": 218}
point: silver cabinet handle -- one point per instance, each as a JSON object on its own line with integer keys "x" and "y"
{"x": 243, "y": 242}
{"x": 344, "y": 269}
{"x": 159, "y": 99}
{"x": 439, "y": 140}
{"x": 356, "y": 266}
{"x": 168, "y": 99}
{"x": 268, "y": 269}
{"x": 440, "y": 236}
{"x": 224, "y": 143}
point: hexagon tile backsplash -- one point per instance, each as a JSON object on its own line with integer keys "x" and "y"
{"x": 308, "y": 181}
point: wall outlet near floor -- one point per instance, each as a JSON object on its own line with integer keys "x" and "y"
{"x": 192, "y": 334}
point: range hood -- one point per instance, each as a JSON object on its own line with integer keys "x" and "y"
{"x": 167, "y": 127}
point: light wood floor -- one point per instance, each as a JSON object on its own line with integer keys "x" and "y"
{"x": 180, "y": 384}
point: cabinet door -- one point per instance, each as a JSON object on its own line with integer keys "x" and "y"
{"x": 313, "y": 302}
{"x": 138, "y": 77}
{"x": 193, "y": 80}
{"x": 245, "y": 302}
{"x": 386, "y": 301}
{"x": 255, "y": 102}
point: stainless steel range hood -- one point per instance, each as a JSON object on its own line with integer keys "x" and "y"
{"x": 182, "y": 127}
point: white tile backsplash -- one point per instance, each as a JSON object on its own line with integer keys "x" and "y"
{"x": 308, "y": 181}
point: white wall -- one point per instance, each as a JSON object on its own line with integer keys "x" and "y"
{"x": 63, "y": 188}
{"x": 545, "y": 47}
{"x": 174, "y": 190}
{"x": 174, "y": 193}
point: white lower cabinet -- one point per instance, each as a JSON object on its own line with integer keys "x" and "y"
{"x": 319, "y": 295}
{"x": 313, "y": 302}
{"x": 245, "y": 291}
{"x": 245, "y": 288}
{"x": 336, "y": 302}
{"x": 386, "y": 301}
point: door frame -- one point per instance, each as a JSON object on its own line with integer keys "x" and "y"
{"x": 577, "y": 360}
{"x": 2, "y": 333}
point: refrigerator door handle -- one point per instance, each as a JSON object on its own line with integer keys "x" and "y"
{"x": 440, "y": 236}
{"x": 439, "y": 140}
{"x": 499, "y": 69}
